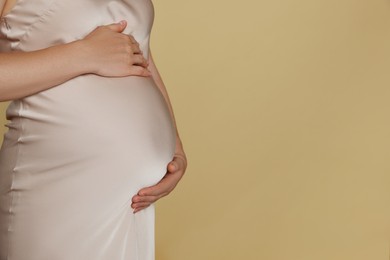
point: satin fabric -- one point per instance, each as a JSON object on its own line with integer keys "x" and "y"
{"x": 74, "y": 155}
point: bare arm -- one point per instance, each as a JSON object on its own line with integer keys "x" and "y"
{"x": 25, "y": 73}
{"x": 175, "y": 169}
{"x": 22, "y": 74}
{"x": 2, "y": 4}
{"x": 105, "y": 51}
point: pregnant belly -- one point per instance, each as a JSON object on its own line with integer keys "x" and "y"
{"x": 98, "y": 121}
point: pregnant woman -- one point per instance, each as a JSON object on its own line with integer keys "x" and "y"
{"x": 91, "y": 141}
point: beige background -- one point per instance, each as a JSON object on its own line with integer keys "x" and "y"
{"x": 284, "y": 110}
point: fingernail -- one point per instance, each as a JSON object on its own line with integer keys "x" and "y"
{"x": 122, "y": 22}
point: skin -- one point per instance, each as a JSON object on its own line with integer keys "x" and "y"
{"x": 175, "y": 169}
{"x": 106, "y": 52}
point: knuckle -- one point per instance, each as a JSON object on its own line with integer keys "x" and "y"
{"x": 134, "y": 70}
{"x": 128, "y": 49}
{"x": 128, "y": 40}
{"x": 135, "y": 47}
{"x": 126, "y": 59}
{"x": 123, "y": 37}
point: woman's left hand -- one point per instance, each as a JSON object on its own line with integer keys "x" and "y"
{"x": 148, "y": 195}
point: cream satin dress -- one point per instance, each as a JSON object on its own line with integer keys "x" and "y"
{"x": 74, "y": 155}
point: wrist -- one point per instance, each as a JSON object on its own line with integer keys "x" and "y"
{"x": 82, "y": 57}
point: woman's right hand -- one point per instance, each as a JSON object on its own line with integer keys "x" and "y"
{"x": 111, "y": 53}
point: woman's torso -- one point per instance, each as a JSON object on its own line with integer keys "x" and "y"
{"x": 89, "y": 115}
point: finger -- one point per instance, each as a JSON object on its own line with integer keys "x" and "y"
{"x": 139, "y": 71}
{"x": 139, "y": 209}
{"x": 135, "y": 47}
{"x": 140, "y": 204}
{"x": 118, "y": 27}
{"x": 138, "y": 59}
{"x": 173, "y": 166}
{"x": 156, "y": 190}
{"x": 138, "y": 198}
{"x": 132, "y": 39}
{"x": 162, "y": 188}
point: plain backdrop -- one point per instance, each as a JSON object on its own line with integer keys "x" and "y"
{"x": 284, "y": 110}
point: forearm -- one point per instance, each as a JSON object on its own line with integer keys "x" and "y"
{"x": 160, "y": 84}
{"x": 26, "y": 73}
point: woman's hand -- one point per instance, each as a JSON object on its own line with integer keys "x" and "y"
{"x": 149, "y": 195}
{"x": 111, "y": 53}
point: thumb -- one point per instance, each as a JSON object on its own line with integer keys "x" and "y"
{"x": 118, "y": 27}
{"x": 172, "y": 166}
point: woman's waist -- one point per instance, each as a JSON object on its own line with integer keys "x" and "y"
{"x": 86, "y": 105}
{"x": 93, "y": 111}
{"x": 90, "y": 96}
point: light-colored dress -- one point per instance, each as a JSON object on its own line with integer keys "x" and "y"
{"x": 74, "y": 155}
